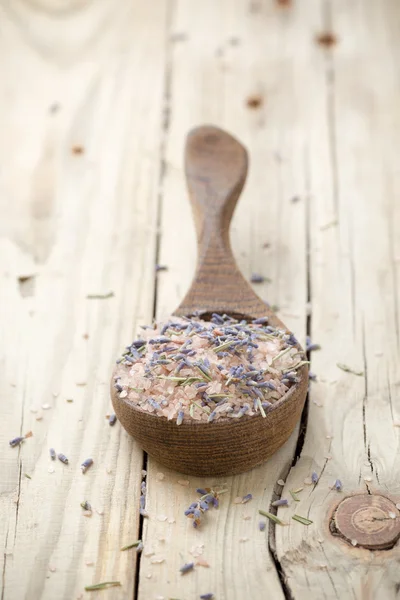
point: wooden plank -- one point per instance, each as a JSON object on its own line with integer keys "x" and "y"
{"x": 80, "y": 112}
{"x": 235, "y": 53}
{"x": 354, "y": 292}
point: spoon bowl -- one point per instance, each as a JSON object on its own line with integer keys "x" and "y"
{"x": 216, "y": 169}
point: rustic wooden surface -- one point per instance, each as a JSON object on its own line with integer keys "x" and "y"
{"x": 95, "y": 103}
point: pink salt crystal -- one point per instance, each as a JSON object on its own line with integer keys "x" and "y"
{"x": 87, "y": 513}
{"x": 123, "y": 394}
{"x": 89, "y": 563}
{"x": 149, "y": 575}
{"x": 201, "y": 562}
{"x": 354, "y": 542}
{"x": 238, "y": 500}
{"x": 52, "y": 569}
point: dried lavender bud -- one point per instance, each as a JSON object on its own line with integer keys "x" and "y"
{"x": 53, "y": 455}
{"x": 112, "y": 420}
{"x": 63, "y": 458}
{"x": 139, "y": 547}
{"x": 180, "y": 416}
{"x": 262, "y": 525}
{"x": 161, "y": 268}
{"x": 207, "y": 596}
{"x": 280, "y": 502}
{"x": 86, "y": 464}
{"x": 16, "y": 441}
{"x": 310, "y": 347}
{"x": 85, "y": 505}
{"x": 247, "y": 498}
{"x": 312, "y": 376}
{"x": 186, "y": 568}
{"x": 314, "y": 477}
{"x": 256, "y": 278}
{"x": 338, "y": 485}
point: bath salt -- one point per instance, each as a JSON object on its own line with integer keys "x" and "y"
{"x": 191, "y": 369}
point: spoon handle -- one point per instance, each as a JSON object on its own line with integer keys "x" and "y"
{"x": 216, "y": 169}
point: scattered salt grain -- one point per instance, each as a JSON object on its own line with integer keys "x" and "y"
{"x": 149, "y": 552}
{"x": 33, "y": 410}
{"x": 52, "y": 569}
{"x": 149, "y": 575}
{"x": 89, "y": 563}
{"x": 398, "y": 506}
{"x": 100, "y": 511}
{"x": 46, "y": 406}
{"x": 238, "y": 500}
{"x": 183, "y": 482}
{"x": 367, "y": 479}
{"x": 162, "y": 517}
{"x": 160, "y": 476}
{"x": 308, "y": 481}
{"x": 392, "y": 515}
{"x": 243, "y": 539}
{"x": 87, "y": 513}
{"x": 50, "y": 470}
{"x": 354, "y": 542}
{"x": 157, "y": 560}
{"x": 246, "y": 517}
{"x": 280, "y": 482}
{"x": 171, "y": 521}
{"x": 201, "y": 562}
{"x": 123, "y": 394}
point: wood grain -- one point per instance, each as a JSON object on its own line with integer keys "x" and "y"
{"x": 79, "y": 170}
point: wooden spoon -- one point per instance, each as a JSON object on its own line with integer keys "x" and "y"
{"x": 216, "y": 168}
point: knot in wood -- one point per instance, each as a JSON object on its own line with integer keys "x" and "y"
{"x": 368, "y": 520}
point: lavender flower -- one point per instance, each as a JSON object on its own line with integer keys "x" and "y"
{"x": 314, "y": 477}
{"x": 338, "y": 485}
{"x": 16, "y": 441}
{"x": 186, "y": 568}
{"x": 86, "y": 464}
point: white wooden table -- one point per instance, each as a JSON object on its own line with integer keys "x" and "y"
{"x": 95, "y": 101}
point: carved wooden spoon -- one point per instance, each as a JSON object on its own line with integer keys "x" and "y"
{"x": 216, "y": 168}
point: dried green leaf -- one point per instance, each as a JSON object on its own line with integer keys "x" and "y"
{"x": 271, "y": 517}
{"x": 349, "y": 369}
{"x": 302, "y": 520}
{"x": 102, "y": 586}
{"x": 129, "y": 546}
{"x": 293, "y": 494}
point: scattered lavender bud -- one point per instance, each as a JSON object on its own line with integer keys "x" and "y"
{"x": 52, "y": 454}
{"x": 207, "y": 596}
{"x": 86, "y": 464}
{"x": 186, "y": 568}
{"x": 139, "y": 547}
{"x": 63, "y": 458}
{"x": 262, "y": 525}
{"x": 85, "y": 505}
{"x": 280, "y": 502}
{"x": 338, "y": 485}
{"x": 112, "y": 420}
{"x": 314, "y": 477}
{"x": 180, "y": 416}
{"x": 310, "y": 347}
{"x": 16, "y": 441}
{"x": 161, "y": 268}
{"x": 312, "y": 376}
{"x": 247, "y": 498}
{"x": 257, "y": 278}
